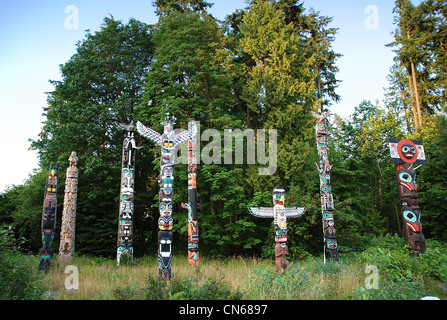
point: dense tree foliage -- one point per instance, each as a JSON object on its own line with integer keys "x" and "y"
{"x": 421, "y": 47}
{"x": 101, "y": 84}
{"x": 265, "y": 67}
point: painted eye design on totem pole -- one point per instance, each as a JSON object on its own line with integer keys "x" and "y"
{"x": 405, "y": 177}
{"x": 410, "y": 216}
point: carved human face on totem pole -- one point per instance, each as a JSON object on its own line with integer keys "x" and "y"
{"x": 405, "y": 154}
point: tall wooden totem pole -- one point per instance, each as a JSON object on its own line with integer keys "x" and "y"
{"x": 168, "y": 142}
{"x": 405, "y": 154}
{"x": 68, "y": 224}
{"x": 279, "y": 213}
{"x": 48, "y": 225}
{"x": 327, "y": 201}
{"x": 192, "y": 204}
{"x": 126, "y": 209}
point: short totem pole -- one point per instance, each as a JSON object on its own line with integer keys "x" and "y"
{"x": 327, "y": 201}
{"x": 48, "y": 225}
{"x": 405, "y": 154}
{"x": 280, "y": 214}
{"x": 68, "y": 224}
{"x": 126, "y": 209}
{"x": 192, "y": 205}
{"x": 168, "y": 142}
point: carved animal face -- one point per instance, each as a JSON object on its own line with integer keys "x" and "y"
{"x": 165, "y": 208}
{"x": 279, "y": 196}
{"x": 412, "y": 218}
{"x": 407, "y": 178}
{"x": 408, "y": 151}
{"x": 165, "y": 222}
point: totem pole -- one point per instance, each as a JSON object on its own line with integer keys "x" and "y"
{"x": 48, "y": 225}
{"x": 280, "y": 214}
{"x": 192, "y": 205}
{"x": 68, "y": 225}
{"x": 327, "y": 201}
{"x": 405, "y": 154}
{"x": 168, "y": 142}
{"x": 126, "y": 209}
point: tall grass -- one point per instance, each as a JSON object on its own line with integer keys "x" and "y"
{"x": 251, "y": 278}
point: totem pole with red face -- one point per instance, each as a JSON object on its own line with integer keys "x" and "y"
{"x": 405, "y": 154}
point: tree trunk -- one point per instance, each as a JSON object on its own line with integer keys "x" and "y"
{"x": 415, "y": 86}
{"x": 415, "y": 115}
{"x": 418, "y": 103}
{"x": 407, "y": 116}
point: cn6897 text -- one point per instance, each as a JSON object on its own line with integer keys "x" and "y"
{"x": 245, "y": 309}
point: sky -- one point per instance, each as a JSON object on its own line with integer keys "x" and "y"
{"x": 37, "y": 36}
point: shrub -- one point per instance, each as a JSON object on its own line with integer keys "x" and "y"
{"x": 19, "y": 278}
{"x": 128, "y": 293}
{"x": 190, "y": 289}
{"x": 434, "y": 260}
{"x": 400, "y": 276}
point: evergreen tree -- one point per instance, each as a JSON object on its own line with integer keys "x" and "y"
{"x": 398, "y": 97}
{"x": 101, "y": 84}
{"x": 165, "y": 7}
{"x": 280, "y": 86}
{"x": 420, "y": 41}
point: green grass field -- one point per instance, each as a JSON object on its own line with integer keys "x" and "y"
{"x": 233, "y": 278}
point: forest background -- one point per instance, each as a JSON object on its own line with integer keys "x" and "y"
{"x": 265, "y": 67}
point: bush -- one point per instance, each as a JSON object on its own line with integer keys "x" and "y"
{"x": 434, "y": 260}
{"x": 400, "y": 276}
{"x": 190, "y": 289}
{"x": 19, "y": 278}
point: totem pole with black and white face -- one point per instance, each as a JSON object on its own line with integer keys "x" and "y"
{"x": 168, "y": 142}
{"x": 48, "y": 224}
{"x": 127, "y": 191}
{"x": 327, "y": 201}
{"x": 405, "y": 154}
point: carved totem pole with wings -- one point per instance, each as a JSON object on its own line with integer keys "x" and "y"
{"x": 279, "y": 213}
{"x": 168, "y": 142}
